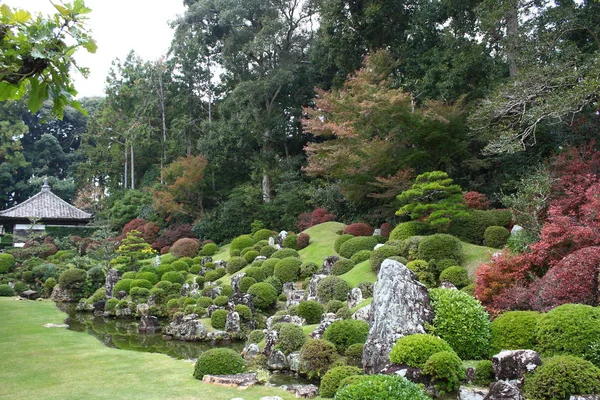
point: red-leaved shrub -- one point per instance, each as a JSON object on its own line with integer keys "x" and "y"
{"x": 302, "y": 241}
{"x": 171, "y": 234}
{"x": 165, "y": 250}
{"x": 318, "y": 216}
{"x": 386, "y": 229}
{"x": 186, "y": 247}
{"x": 477, "y": 201}
{"x": 359, "y": 229}
{"x": 135, "y": 224}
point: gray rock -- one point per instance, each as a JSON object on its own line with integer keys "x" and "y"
{"x": 366, "y": 288}
{"x": 328, "y": 264}
{"x": 187, "y": 328}
{"x": 312, "y": 286}
{"x": 293, "y": 360}
{"x": 516, "y": 229}
{"x": 205, "y": 260}
{"x": 241, "y": 298}
{"x": 241, "y": 381}
{"x": 277, "y": 361}
{"x": 354, "y": 297}
{"x": 290, "y": 319}
{"x": 212, "y": 308}
{"x": 585, "y": 397}
{"x": 501, "y": 390}
{"x": 84, "y": 306}
{"x": 471, "y": 393}
{"x": 195, "y": 290}
{"x": 213, "y": 292}
{"x": 295, "y": 297}
{"x": 326, "y": 320}
{"x": 123, "y": 312}
{"x": 112, "y": 278}
{"x": 121, "y": 294}
{"x": 303, "y": 391}
{"x": 272, "y": 241}
{"x": 185, "y": 289}
{"x": 218, "y": 336}
{"x": 235, "y": 281}
{"x": 220, "y": 264}
{"x": 288, "y": 287}
{"x": 270, "y": 341}
{"x": 400, "y": 307}
{"x": 149, "y": 324}
{"x": 378, "y": 245}
{"x": 271, "y": 398}
{"x": 142, "y": 309}
{"x": 60, "y": 295}
{"x": 448, "y": 285}
{"x": 30, "y": 294}
{"x": 512, "y": 365}
{"x": 259, "y": 258}
{"x": 363, "y": 313}
{"x": 280, "y": 238}
{"x": 250, "y": 351}
{"x": 232, "y": 323}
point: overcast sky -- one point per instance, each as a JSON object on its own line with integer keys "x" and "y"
{"x": 118, "y": 26}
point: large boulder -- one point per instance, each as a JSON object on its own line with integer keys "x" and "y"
{"x": 60, "y": 295}
{"x": 241, "y": 381}
{"x": 232, "y": 323}
{"x": 355, "y": 297}
{"x": 149, "y": 324}
{"x": 363, "y": 313}
{"x": 112, "y": 278}
{"x": 187, "y": 328}
{"x": 277, "y": 361}
{"x": 326, "y": 320}
{"x": 312, "y": 286}
{"x": 501, "y": 390}
{"x": 471, "y": 393}
{"x": 400, "y": 307}
{"x": 235, "y": 281}
{"x": 512, "y": 365}
{"x": 328, "y": 264}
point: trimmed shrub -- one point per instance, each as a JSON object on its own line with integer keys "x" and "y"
{"x": 291, "y": 242}
{"x": 149, "y": 276}
{"x": 386, "y": 228}
{"x": 311, "y": 311}
{"x": 122, "y": 285}
{"x": 257, "y": 273}
{"x": 244, "y": 312}
{"x": 318, "y": 216}
{"x": 6, "y": 291}
{"x": 356, "y": 244}
{"x": 285, "y": 253}
{"x": 316, "y": 356}
{"x": 341, "y": 266}
{"x": 209, "y": 249}
{"x": 484, "y": 373}
{"x": 173, "y": 277}
{"x": 332, "y": 288}
{"x": 249, "y": 256}
{"x": 440, "y": 246}
{"x": 405, "y": 230}
{"x": 240, "y": 243}
{"x": 303, "y": 241}
{"x": 454, "y": 310}
{"x": 446, "y": 371}
{"x": 185, "y": 247}
{"x": 265, "y": 295}
{"x": 7, "y": 261}
{"x": 334, "y": 305}
{"x": 219, "y": 361}
{"x": 204, "y": 302}
{"x": 72, "y": 279}
{"x": 162, "y": 269}
{"x": 275, "y": 282}
{"x": 568, "y": 329}
{"x": 358, "y": 229}
{"x": 214, "y": 275}
{"x": 308, "y": 269}
{"x": 422, "y": 271}
{"x": 458, "y": 276}
{"x": 267, "y": 251}
{"x": 268, "y": 266}
{"x": 361, "y": 256}
{"x": 263, "y": 234}
{"x": 514, "y": 330}
{"x": 180, "y": 266}
{"x": 221, "y": 301}
{"x": 235, "y": 264}
{"x": 346, "y": 333}
{"x": 340, "y": 241}
{"x": 471, "y": 228}
{"x": 415, "y": 350}
{"x": 380, "y": 254}
{"x": 245, "y": 283}
{"x": 291, "y": 337}
{"x": 332, "y": 379}
{"x": 344, "y": 313}
{"x": 287, "y": 269}
{"x": 143, "y": 283}
{"x": 380, "y": 387}
{"x": 218, "y": 319}
{"x": 129, "y": 275}
{"x": 354, "y": 355}
{"x": 495, "y": 236}
{"x": 562, "y": 377}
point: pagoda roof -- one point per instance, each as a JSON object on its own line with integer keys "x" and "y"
{"x": 46, "y": 206}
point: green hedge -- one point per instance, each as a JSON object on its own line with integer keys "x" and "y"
{"x": 219, "y": 361}
{"x": 64, "y": 231}
{"x": 356, "y": 244}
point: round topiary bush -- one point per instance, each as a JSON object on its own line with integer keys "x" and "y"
{"x": 405, "y": 230}
{"x": 221, "y": 301}
{"x": 303, "y": 241}
{"x": 6, "y": 291}
{"x": 235, "y": 264}
{"x": 316, "y": 356}
{"x": 219, "y": 361}
{"x": 562, "y": 377}
{"x": 341, "y": 266}
{"x": 180, "y": 266}
{"x": 356, "y": 244}
{"x": 287, "y": 269}
{"x": 514, "y": 330}
{"x": 275, "y": 282}
{"x": 380, "y": 387}
{"x": 173, "y": 277}
{"x": 240, "y": 243}
{"x": 354, "y": 354}
{"x": 291, "y": 337}
{"x": 263, "y": 234}
{"x": 73, "y": 279}
{"x": 141, "y": 283}
{"x": 215, "y": 274}
{"x": 204, "y": 302}
{"x": 415, "y": 350}
{"x": 243, "y": 311}
{"x": 245, "y": 283}
{"x": 129, "y": 275}
{"x": 122, "y": 285}
{"x": 308, "y": 269}
{"x": 249, "y": 256}
{"x": 185, "y": 247}
{"x": 568, "y": 329}
{"x": 285, "y": 253}
{"x": 380, "y": 254}
{"x": 218, "y": 319}
{"x": 346, "y": 333}
{"x": 358, "y": 229}
{"x": 484, "y": 373}
{"x": 458, "y": 276}
{"x": 291, "y": 242}
{"x": 495, "y": 236}
{"x": 440, "y": 246}
{"x": 334, "y": 305}
{"x": 7, "y": 261}
{"x": 209, "y": 249}
{"x": 265, "y": 295}
{"x": 268, "y": 266}
{"x": 332, "y": 288}
{"x": 163, "y": 269}
{"x": 454, "y": 310}
{"x": 423, "y": 271}
{"x": 149, "y": 276}
{"x": 340, "y": 241}
{"x": 267, "y": 251}
{"x": 446, "y": 371}
{"x": 361, "y": 256}
{"x": 311, "y": 311}
{"x": 332, "y": 379}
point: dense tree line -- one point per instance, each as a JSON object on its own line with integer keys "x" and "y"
{"x": 269, "y": 109}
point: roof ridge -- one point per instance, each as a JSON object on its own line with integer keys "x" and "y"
{"x": 51, "y": 198}
{"x": 20, "y": 205}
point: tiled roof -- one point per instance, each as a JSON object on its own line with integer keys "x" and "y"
{"x": 45, "y": 205}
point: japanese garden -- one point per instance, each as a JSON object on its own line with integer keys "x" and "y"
{"x": 355, "y": 200}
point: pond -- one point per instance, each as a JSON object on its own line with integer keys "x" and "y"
{"x": 123, "y": 334}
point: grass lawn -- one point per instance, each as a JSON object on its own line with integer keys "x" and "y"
{"x": 322, "y": 238}
{"x": 55, "y": 363}
{"x": 476, "y": 255}
{"x": 360, "y": 273}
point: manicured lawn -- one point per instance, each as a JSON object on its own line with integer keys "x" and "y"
{"x": 55, "y": 363}
{"x": 322, "y": 238}
{"x": 360, "y": 273}
{"x": 476, "y": 255}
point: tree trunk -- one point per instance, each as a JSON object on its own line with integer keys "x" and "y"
{"x": 132, "y": 168}
{"x": 267, "y": 190}
{"x": 126, "y": 173}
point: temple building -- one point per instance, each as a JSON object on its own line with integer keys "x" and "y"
{"x": 41, "y": 210}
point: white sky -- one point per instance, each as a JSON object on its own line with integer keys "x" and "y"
{"x": 118, "y": 26}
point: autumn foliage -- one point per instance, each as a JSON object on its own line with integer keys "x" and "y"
{"x": 359, "y": 229}
{"x": 318, "y": 216}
